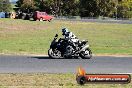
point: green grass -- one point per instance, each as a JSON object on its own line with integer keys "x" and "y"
{"x": 34, "y": 37}
{"x": 39, "y": 80}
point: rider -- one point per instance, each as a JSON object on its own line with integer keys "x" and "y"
{"x": 70, "y": 36}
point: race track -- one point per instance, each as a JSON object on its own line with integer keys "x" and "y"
{"x": 29, "y": 64}
{"x": 100, "y": 21}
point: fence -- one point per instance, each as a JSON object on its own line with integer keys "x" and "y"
{"x": 95, "y": 19}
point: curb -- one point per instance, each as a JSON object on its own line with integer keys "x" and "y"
{"x": 100, "y": 55}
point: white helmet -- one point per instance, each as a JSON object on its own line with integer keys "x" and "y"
{"x": 64, "y": 31}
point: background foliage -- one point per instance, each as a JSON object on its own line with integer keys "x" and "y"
{"x": 83, "y": 8}
{"x": 5, "y": 5}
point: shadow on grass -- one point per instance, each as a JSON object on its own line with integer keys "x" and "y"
{"x": 37, "y": 20}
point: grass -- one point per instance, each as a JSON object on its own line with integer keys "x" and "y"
{"x": 34, "y": 37}
{"x": 40, "y": 80}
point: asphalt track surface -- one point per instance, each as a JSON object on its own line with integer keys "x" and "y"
{"x": 35, "y": 64}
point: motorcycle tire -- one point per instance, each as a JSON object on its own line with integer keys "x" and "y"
{"x": 84, "y": 56}
{"x": 81, "y": 80}
{"x": 54, "y": 55}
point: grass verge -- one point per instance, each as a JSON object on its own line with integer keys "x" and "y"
{"x": 40, "y": 80}
{"x": 34, "y": 37}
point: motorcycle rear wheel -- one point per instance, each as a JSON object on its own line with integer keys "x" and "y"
{"x": 55, "y": 54}
{"x": 87, "y": 54}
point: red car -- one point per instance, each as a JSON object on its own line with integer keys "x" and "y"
{"x": 42, "y": 16}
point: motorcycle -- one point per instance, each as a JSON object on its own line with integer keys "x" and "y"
{"x": 63, "y": 48}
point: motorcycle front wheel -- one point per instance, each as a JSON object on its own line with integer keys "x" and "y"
{"x": 55, "y": 54}
{"x": 87, "y": 54}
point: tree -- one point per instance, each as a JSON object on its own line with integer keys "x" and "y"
{"x": 59, "y": 7}
{"x": 124, "y": 9}
{"x": 88, "y": 8}
{"x": 70, "y": 7}
{"x": 26, "y": 5}
{"x": 5, "y": 6}
{"x": 95, "y": 8}
{"x": 106, "y": 7}
{"x": 84, "y": 8}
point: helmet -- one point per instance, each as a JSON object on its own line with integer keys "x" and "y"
{"x": 64, "y": 31}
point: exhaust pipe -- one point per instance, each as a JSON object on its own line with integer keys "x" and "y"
{"x": 84, "y": 48}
